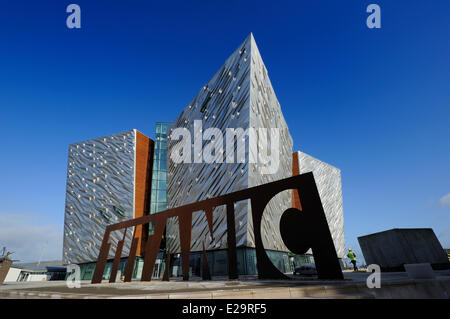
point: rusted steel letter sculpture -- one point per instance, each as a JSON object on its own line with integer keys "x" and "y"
{"x": 300, "y": 231}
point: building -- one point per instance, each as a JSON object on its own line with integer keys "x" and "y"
{"x": 393, "y": 248}
{"x": 107, "y": 182}
{"x": 36, "y": 271}
{"x": 238, "y": 96}
{"x": 108, "y": 177}
{"x": 328, "y": 181}
{"x": 159, "y": 177}
{"x": 159, "y": 192}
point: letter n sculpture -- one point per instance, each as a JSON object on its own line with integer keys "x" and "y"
{"x": 300, "y": 230}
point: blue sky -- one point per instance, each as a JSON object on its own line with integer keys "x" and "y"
{"x": 373, "y": 102}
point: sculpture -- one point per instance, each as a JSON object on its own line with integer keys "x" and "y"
{"x": 311, "y": 221}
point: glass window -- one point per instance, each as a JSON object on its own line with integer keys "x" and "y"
{"x": 161, "y": 195}
{"x": 151, "y": 228}
{"x": 220, "y": 263}
{"x": 163, "y": 155}
{"x": 107, "y": 271}
{"x": 138, "y": 268}
{"x": 162, "y": 206}
{"x": 162, "y": 165}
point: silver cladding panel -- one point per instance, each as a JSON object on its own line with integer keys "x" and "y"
{"x": 265, "y": 112}
{"x": 188, "y": 183}
{"x": 328, "y": 181}
{"x": 230, "y": 94}
{"x": 100, "y": 175}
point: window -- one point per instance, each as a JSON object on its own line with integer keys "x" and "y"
{"x": 205, "y": 103}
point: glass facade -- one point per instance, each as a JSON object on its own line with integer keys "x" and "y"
{"x": 217, "y": 262}
{"x": 87, "y": 269}
{"x": 246, "y": 258}
{"x": 159, "y": 188}
{"x": 159, "y": 179}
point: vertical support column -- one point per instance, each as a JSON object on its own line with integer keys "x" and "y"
{"x": 209, "y": 219}
{"x": 102, "y": 259}
{"x": 116, "y": 262}
{"x": 185, "y": 227}
{"x": 152, "y": 248}
{"x": 166, "y": 276}
{"x": 131, "y": 257}
{"x": 231, "y": 239}
{"x": 206, "y": 275}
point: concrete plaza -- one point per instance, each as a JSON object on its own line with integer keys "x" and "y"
{"x": 393, "y": 285}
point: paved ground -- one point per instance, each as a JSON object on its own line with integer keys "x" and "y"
{"x": 354, "y": 286}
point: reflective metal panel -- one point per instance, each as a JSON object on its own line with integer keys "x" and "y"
{"x": 265, "y": 112}
{"x": 99, "y": 192}
{"x": 328, "y": 180}
{"x": 239, "y": 95}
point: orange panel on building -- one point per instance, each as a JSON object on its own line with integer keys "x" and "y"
{"x": 295, "y": 171}
{"x": 143, "y": 180}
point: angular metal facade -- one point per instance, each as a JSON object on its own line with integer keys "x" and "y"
{"x": 328, "y": 181}
{"x": 265, "y": 112}
{"x": 239, "y": 95}
{"x": 99, "y": 191}
{"x": 102, "y": 188}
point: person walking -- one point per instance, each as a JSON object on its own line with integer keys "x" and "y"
{"x": 352, "y": 257}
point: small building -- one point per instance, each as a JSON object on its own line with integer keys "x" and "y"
{"x": 37, "y": 271}
{"x": 393, "y": 248}
{"x": 13, "y": 274}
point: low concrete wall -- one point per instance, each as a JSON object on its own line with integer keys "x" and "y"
{"x": 4, "y": 269}
{"x": 393, "y": 248}
{"x": 417, "y": 289}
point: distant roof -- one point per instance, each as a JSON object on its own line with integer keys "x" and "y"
{"x": 398, "y": 230}
{"x": 39, "y": 266}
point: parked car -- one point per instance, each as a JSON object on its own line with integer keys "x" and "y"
{"x": 306, "y": 269}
